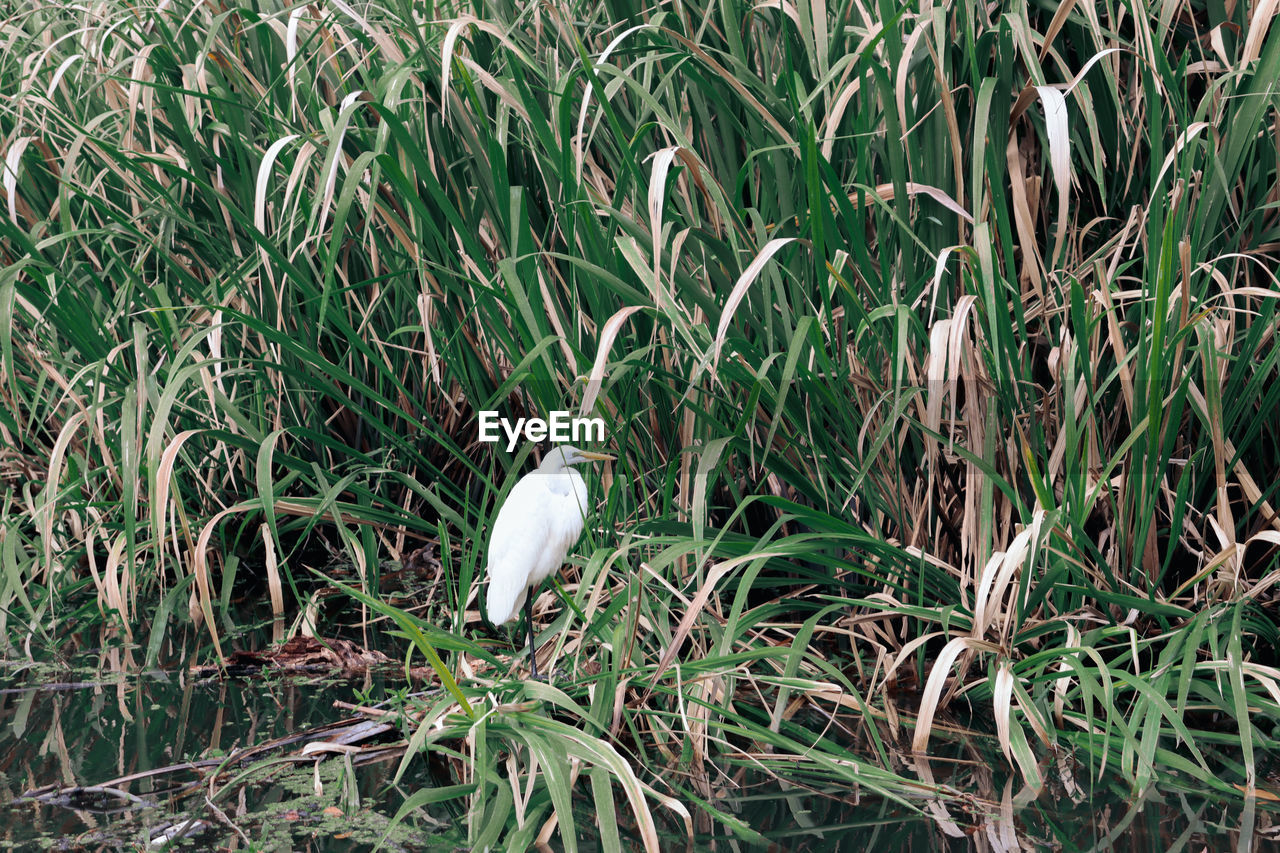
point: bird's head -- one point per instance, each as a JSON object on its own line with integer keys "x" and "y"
{"x": 564, "y": 455}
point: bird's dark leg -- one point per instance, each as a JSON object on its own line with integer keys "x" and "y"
{"x": 528, "y": 620}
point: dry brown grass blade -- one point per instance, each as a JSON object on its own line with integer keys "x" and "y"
{"x": 748, "y": 277}
{"x": 12, "y": 161}
{"x": 1002, "y": 704}
{"x": 936, "y": 372}
{"x": 274, "y": 587}
{"x": 161, "y": 500}
{"x": 578, "y": 142}
{"x": 1273, "y": 538}
{"x": 906, "y": 649}
{"x": 47, "y": 507}
{"x": 456, "y": 26}
{"x": 953, "y": 125}
{"x": 1002, "y": 830}
{"x": 1055, "y": 26}
{"x": 200, "y": 569}
{"x": 260, "y": 188}
{"x": 491, "y": 83}
{"x": 607, "y": 335}
{"x": 737, "y": 85}
{"x": 930, "y": 699}
{"x": 1212, "y": 374}
{"x": 91, "y": 560}
{"x": 885, "y": 193}
{"x": 997, "y": 577}
{"x": 922, "y": 26}
{"x": 1248, "y": 485}
{"x": 789, "y": 9}
{"x": 695, "y": 607}
{"x": 1063, "y": 682}
{"x": 117, "y": 582}
{"x": 1193, "y": 130}
{"x": 1023, "y": 220}
{"x": 936, "y": 807}
{"x": 847, "y": 90}
{"x": 1118, "y": 350}
{"x": 1263, "y": 19}
{"x": 1056, "y": 128}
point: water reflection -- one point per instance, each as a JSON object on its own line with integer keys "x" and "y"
{"x": 81, "y": 726}
{"x": 66, "y": 727}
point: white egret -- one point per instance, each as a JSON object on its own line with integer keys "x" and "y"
{"x": 538, "y": 523}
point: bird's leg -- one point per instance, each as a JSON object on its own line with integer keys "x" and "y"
{"x": 528, "y": 620}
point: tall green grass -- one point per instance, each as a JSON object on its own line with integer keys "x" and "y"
{"x": 941, "y": 366}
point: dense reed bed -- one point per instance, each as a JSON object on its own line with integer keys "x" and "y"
{"x": 937, "y": 343}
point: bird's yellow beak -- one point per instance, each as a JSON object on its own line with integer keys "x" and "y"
{"x": 595, "y": 457}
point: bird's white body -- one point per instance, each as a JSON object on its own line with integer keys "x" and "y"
{"x": 538, "y": 523}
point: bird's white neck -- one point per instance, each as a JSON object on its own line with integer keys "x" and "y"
{"x": 552, "y": 463}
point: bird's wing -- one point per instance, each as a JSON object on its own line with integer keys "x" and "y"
{"x": 514, "y": 542}
{"x": 538, "y": 523}
{"x": 566, "y": 504}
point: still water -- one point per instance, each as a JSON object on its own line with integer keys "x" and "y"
{"x": 96, "y": 755}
